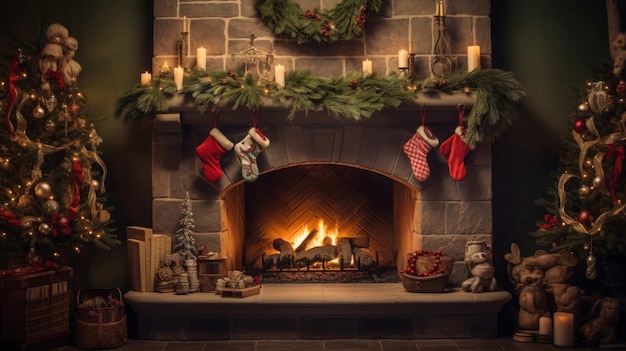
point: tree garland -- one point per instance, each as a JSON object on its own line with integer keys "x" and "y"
{"x": 353, "y": 97}
{"x": 343, "y": 22}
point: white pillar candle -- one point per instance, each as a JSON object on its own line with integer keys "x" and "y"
{"x": 201, "y": 58}
{"x": 179, "y": 72}
{"x": 367, "y": 67}
{"x": 403, "y": 59}
{"x": 279, "y": 75}
{"x": 146, "y": 78}
{"x": 545, "y": 326}
{"x": 563, "y": 329}
{"x": 473, "y": 57}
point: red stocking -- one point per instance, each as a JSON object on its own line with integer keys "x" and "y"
{"x": 211, "y": 151}
{"x": 417, "y": 149}
{"x": 455, "y": 149}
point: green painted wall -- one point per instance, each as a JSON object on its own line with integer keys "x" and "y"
{"x": 115, "y": 46}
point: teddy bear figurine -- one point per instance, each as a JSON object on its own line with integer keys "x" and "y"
{"x": 600, "y": 328}
{"x": 478, "y": 259}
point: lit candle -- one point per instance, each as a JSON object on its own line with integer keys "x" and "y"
{"x": 563, "y": 329}
{"x": 403, "y": 59}
{"x": 442, "y": 9}
{"x": 178, "y": 77}
{"x": 279, "y": 75}
{"x": 165, "y": 67}
{"x": 545, "y": 326}
{"x": 367, "y": 67}
{"x": 146, "y": 78}
{"x": 473, "y": 57}
{"x": 438, "y": 9}
{"x": 201, "y": 58}
{"x": 185, "y": 24}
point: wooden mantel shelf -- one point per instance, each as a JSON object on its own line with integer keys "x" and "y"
{"x": 437, "y": 101}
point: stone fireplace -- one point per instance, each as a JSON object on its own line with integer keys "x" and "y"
{"x": 351, "y": 174}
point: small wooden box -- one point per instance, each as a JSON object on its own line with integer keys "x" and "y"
{"x": 245, "y": 292}
{"x": 209, "y": 271}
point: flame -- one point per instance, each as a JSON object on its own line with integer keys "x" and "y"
{"x": 323, "y": 233}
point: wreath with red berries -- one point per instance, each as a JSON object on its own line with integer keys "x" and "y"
{"x": 345, "y": 21}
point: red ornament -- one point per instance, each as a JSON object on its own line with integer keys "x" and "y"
{"x": 585, "y": 217}
{"x": 620, "y": 89}
{"x": 579, "y": 125}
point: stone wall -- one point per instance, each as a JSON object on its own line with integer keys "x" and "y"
{"x": 224, "y": 27}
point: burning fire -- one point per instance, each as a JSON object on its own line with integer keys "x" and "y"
{"x": 324, "y": 236}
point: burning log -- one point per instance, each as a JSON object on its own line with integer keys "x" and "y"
{"x": 283, "y": 259}
{"x": 363, "y": 258}
{"x": 316, "y": 254}
{"x": 312, "y": 234}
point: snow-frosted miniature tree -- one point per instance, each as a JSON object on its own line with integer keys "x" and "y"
{"x": 185, "y": 243}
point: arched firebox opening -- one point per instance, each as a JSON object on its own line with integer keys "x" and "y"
{"x": 318, "y": 222}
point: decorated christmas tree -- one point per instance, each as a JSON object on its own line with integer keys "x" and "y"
{"x": 52, "y": 178}
{"x": 185, "y": 243}
{"x": 585, "y": 213}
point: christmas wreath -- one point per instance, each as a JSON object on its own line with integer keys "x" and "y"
{"x": 343, "y": 22}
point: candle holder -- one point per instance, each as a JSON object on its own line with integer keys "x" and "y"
{"x": 256, "y": 62}
{"x": 182, "y": 50}
{"x": 442, "y": 64}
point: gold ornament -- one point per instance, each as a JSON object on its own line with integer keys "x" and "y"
{"x": 39, "y": 112}
{"x": 51, "y": 207}
{"x": 583, "y": 191}
{"x": 598, "y": 181}
{"x": 44, "y": 228}
{"x": 43, "y": 189}
{"x": 599, "y": 99}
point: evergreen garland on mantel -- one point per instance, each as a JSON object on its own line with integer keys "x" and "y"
{"x": 353, "y": 97}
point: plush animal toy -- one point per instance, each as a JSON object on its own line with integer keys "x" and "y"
{"x": 600, "y": 329}
{"x": 479, "y": 265}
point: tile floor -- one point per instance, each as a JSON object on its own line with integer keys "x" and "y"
{"x": 342, "y": 345}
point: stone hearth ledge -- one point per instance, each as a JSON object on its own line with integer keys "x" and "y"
{"x": 460, "y": 314}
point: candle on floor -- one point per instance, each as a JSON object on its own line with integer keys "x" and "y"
{"x": 563, "y": 329}
{"x": 473, "y": 57}
{"x": 545, "y": 326}
{"x": 146, "y": 78}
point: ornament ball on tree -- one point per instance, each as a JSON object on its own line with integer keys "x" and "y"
{"x": 585, "y": 217}
{"x": 579, "y": 125}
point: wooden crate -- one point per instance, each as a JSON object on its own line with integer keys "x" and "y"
{"x": 209, "y": 271}
{"x": 35, "y": 305}
{"x": 244, "y": 292}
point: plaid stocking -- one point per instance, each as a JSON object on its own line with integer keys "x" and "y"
{"x": 417, "y": 149}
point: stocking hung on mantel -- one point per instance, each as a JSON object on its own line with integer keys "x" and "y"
{"x": 248, "y": 149}
{"x": 417, "y": 148}
{"x": 455, "y": 148}
{"x": 211, "y": 151}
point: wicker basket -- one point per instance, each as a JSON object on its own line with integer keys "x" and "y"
{"x": 435, "y": 283}
{"x": 101, "y": 327}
